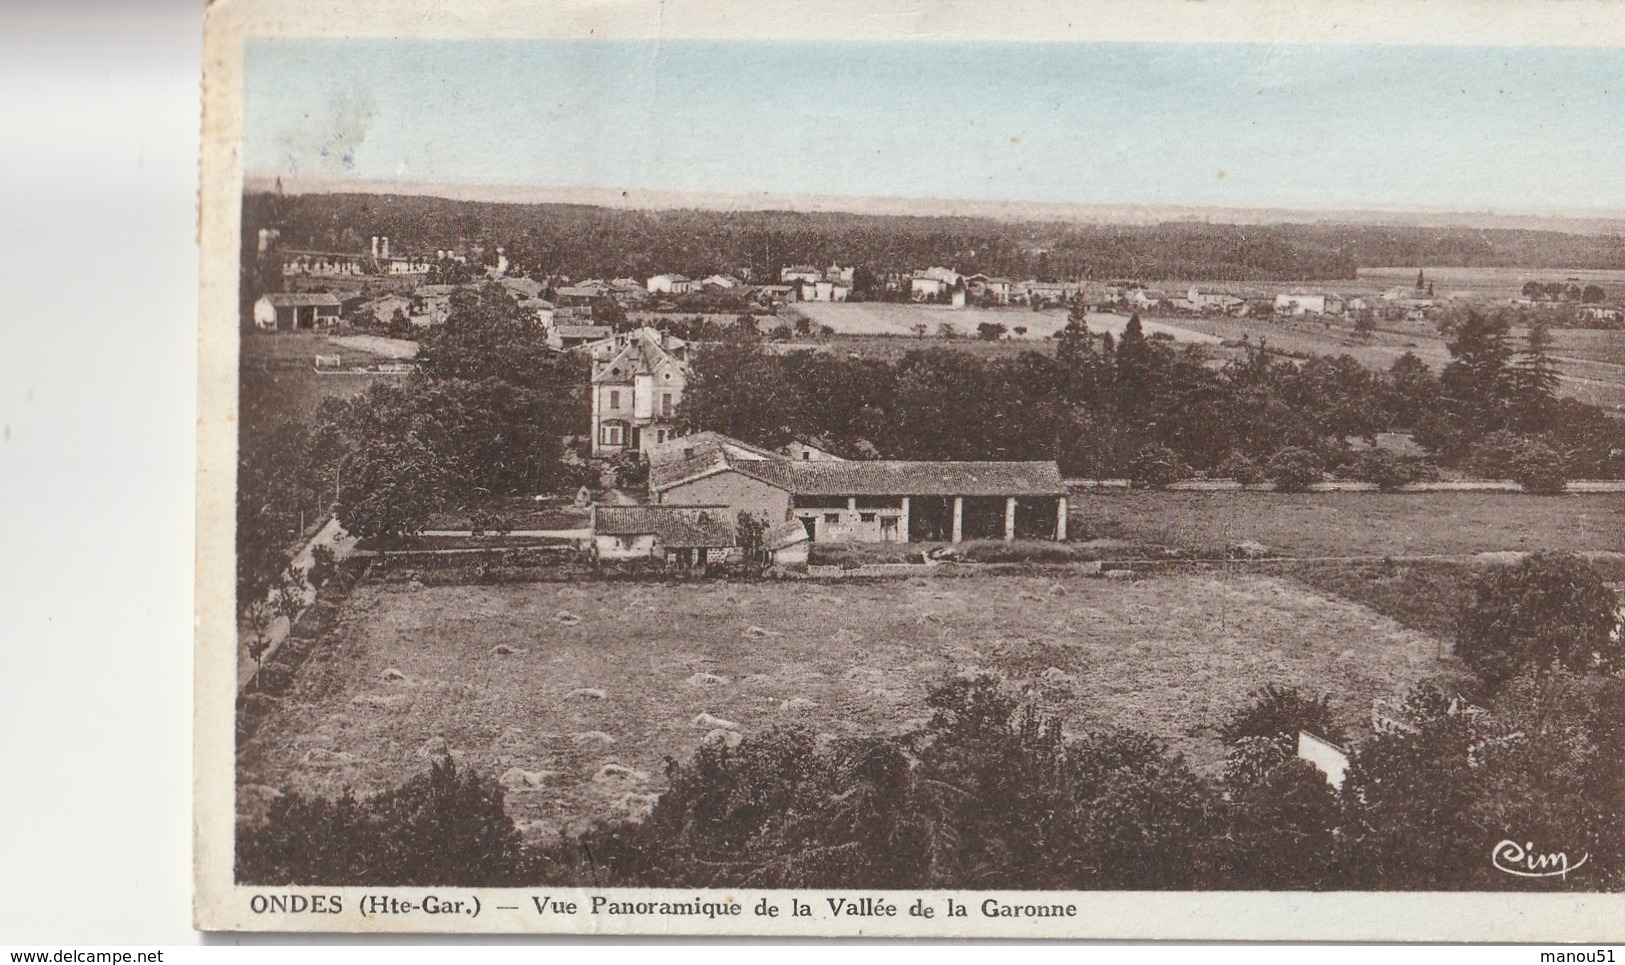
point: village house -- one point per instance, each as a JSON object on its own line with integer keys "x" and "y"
{"x": 637, "y": 383}
{"x": 431, "y": 304}
{"x": 539, "y": 311}
{"x": 1042, "y": 293}
{"x": 522, "y": 288}
{"x": 823, "y": 290}
{"x": 720, "y": 282}
{"x": 680, "y": 536}
{"x": 876, "y": 501}
{"x": 935, "y": 283}
{"x": 564, "y": 336}
{"x": 628, "y": 292}
{"x": 1300, "y": 303}
{"x": 581, "y": 296}
{"x": 832, "y": 284}
{"x": 1144, "y": 299}
{"x": 1200, "y": 301}
{"x": 980, "y": 286}
{"x": 786, "y": 543}
{"x": 805, "y": 450}
{"x": 1601, "y": 314}
{"x": 322, "y": 264}
{"x": 402, "y": 266}
{"x": 288, "y": 311}
{"x": 772, "y": 296}
{"x": 382, "y": 310}
{"x": 670, "y": 285}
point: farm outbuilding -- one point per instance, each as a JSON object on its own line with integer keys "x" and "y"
{"x": 676, "y": 535}
{"x": 280, "y": 311}
{"x": 787, "y": 543}
{"x": 872, "y": 501}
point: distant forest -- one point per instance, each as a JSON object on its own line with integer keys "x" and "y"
{"x": 584, "y": 241}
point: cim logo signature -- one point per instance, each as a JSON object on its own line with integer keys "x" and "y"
{"x": 1522, "y": 860}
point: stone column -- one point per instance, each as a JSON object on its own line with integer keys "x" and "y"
{"x": 959, "y": 519}
{"x": 1060, "y": 520}
{"x": 1009, "y": 518}
{"x": 903, "y": 536}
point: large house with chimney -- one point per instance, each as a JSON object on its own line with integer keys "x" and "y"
{"x": 637, "y": 382}
{"x": 876, "y": 501}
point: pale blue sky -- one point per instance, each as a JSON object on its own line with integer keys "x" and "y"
{"x": 1325, "y": 126}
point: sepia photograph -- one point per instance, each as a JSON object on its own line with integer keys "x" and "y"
{"x": 733, "y": 481}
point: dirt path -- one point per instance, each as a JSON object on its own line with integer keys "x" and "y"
{"x": 331, "y": 535}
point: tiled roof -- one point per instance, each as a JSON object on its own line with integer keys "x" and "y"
{"x": 787, "y": 533}
{"x": 888, "y": 477}
{"x": 303, "y": 299}
{"x": 676, "y": 527}
{"x": 617, "y": 359}
{"x": 690, "y": 456}
{"x": 530, "y": 288}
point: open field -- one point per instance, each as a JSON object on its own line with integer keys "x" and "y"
{"x": 1589, "y": 361}
{"x": 275, "y": 347}
{"x": 899, "y": 319}
{"x": 894, "y": 347}
{"x": 1589, "y": 344}
{"x": 1485, "y": 282}
{"x": 605, "y": 681}
{"x": 273, "y": 391}
{"x": 1353, "y": 524}
{"x": 271, "y": 397}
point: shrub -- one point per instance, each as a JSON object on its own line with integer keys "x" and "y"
{"x": 1548, "y": 611}
{"x": 1538, "y": 468}
{"x": 1389, "y": 471}
{"x": 1293, "y": 470}
{"x": 630, "y": 470}
{"x": 1243, "y": 470}
{"x": 1276, "y": 714}
{"x": 323, "y": 564}
{"x": 1154, "y": 467}
{"x": 986, "y": 792}
{"x": 439, "y": 828}
{"x": 1526, "y": 460}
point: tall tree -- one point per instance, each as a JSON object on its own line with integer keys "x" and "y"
{"x": 737, "y": 388}
{"x": 1535, "y": 378}
{"x": 1132, "y": 369}
{"x": 1479, "y": 389}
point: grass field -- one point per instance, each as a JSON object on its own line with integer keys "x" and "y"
{"x": 305, "y": 346}
{"x": 605, "y": 681}
{"x": 1484, "y": 282}
{"x": 1353, "y": 524}
{"x": 271, "y": 397}
{"x": 1589, "y": 360}
{"x": 271, "y": 392}
{"x": 894, "y": 347}
{"x": 1594, "y": 345}
{"x": 900, "y": 319}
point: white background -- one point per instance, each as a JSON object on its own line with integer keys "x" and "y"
{"x": 98, "y": 309}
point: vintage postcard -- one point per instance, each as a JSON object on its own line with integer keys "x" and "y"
{"x": 1088, "y": 470}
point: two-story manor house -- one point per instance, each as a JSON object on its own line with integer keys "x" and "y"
{"x": 637, "y": 382}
